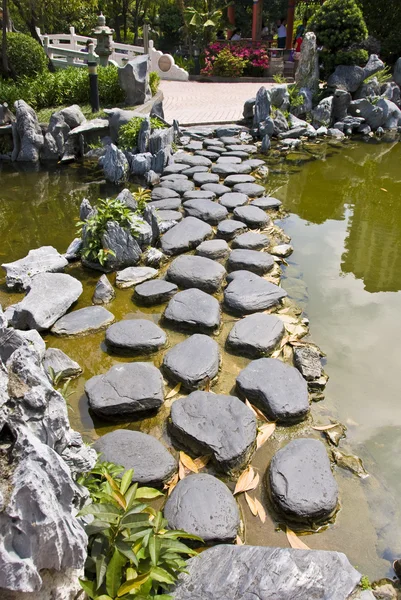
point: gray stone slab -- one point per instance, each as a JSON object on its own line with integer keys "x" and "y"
{"x": 155, "y": 292}
{"x": 250, "y": 260}
{"x": 187, "y": 234}
{"x": 83, "y": 321}
{"x": 253, "y": 216}
{"x": 179, "y": 185}
{"x": 256, "y": 335}
{"x": 40, "y": 260}
{"x": 251, "y": 241}
{"x": 193, "y": 146}
{"x": 193, "y": 362}
{"x": 173, "y": 177}
{"x": 12, "y": 339}
{"x": 161, "y": 193}
{"x": 138, "y": 336}
{"x": 133, "y": 275}
{"x": 266, "y": 203}
{"x": 169, "y": 215}
{"x": 217, "y": 188}
{"x": 248, "y": 293}
{"x": 233, "y": 199}
{"x": 213, "y": 249}
{"x": 199, "y": 194}
{"x": 190, "y": 171}
{"x": 210, "y": 142}
{"x": 250, "y": 148}
{"x": 230, "y": 168}
{"x": 174, "y": 168}
{"x": 192, "y": 161}
{"x": 254, "y": 163}
{"x": 229, "y": 228}
{"x": 250, "y": 189}
{"x": 166, "y": 203}
{"x": 205, "y": 210}
{"x": 240, "y": 153}
{"x": 193, "y": 310}
{"x": 201, "y": 178}
{"x": 228, "y": 159}
{"x": 208, "y": 153}
{"x": 196, "y": 272}
{"x": 61, "y": 364}
{"x": 232, "y": 180}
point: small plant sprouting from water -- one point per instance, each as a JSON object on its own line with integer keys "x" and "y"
{"x": 62, "y": 388}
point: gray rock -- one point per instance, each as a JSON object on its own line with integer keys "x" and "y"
{"x": 282, "y": 250}
{"x": 119, "y": 240}
{"x": 368, "y": 89}
{"x": 232, "y": 180}
{"x": 139, "y": 336}
{"x": 192, "y": 146}
{"x": 73, "y": 251}
{"x": 253, "y": 216}
{"x": 12, "y": 339}
{"x": 213, "y": 142}
{"x": 321, "y": 114}
{"x": 85, "y": 210}
{"x": 391, "y": 113}
{"x": 213, "y": 249}
{"x": 217, "y": 188}
{"x": 179, "y": 185}
{"x": 133, "y": 275}
{"x": 144, "y": 135}
{"x": 152, "y": 463}
{"x": 126, "y": 390}
{"x": 192, "y": 161}
{"x": 194, "y": 362}
{"x": 169, "y": 215}
{"x": 61, "y": 364}
{"x": 228, "y": 159}
{"x": 152, "y": 257}
{"x": 301, "y": 481}
{"x": 83, "y": 321}
{"x": 335, "y": 133}
{"x": 229, "y": 228}
{"x": 250, "y": 189}
{"x": 307, "y": 361}
{"x": 230, "y": 168}
{"x": 248, "y": 293}
{"x": 266, "y": 128}
{"x": 162, "y": 193}
{"x": 28, "y": 138}
{"x": 134, "y": 80}
{"x": 247, "y": 113}
{"x": 280, "y": 123}
{"x": 41, "y": 260}
{"x": 166, "y": 204}
{"x": 250, "y": 260}
{"x": 160, "y": 139}
{"x": 201, "y": 178}
{"x": 49, "y": 297}
{"x": 307, "y": 73}
{"x": 293, "y": 134}
{"x": 196, "y": 272}
{"x": 140, "y": 164}
{"x": 196, "y": 194}
{"x": 190, "y": 171}
{"x": 115, "y": 164}
{"x": 341, "y": 102}
{"x": 239, "y": 153}
{"x": 104, "y": 291}
{"x": 391, "y": 91}
{"x": 55, "y": 138}
{"x": 205, "y": 210}
{"x": 397, "y": 72}
{"x": 217, "y": 425}
{"x": 150, "y": 217}
{"x": 160, "y": 160}
{"x": 261, "y": 108}
{"x": 184, "y": 236}
{"x": 373, "y": 114}
{"x": 249, "y": 572}
{"x": 173, "y": 177}
{"x": 374, "y": 65}
{"x": 346, "y": 77}
{"x": 225, "y": 131}
{"x": 364, "y": 129}
{"x": 194, "y": 310}
{"x": 233, "y": 199}
{"x": 207, "y": 153}
{"x": 154, "y": 292}
{"x": 175, "y": 168}
{"x": 254, "y": 162}
{"x": 250, "y": 241}
{"x": 280, "y": 97}
{"x": 249, "y": 148}
{"x": 256, "y": 335}
{"x": 306, "y": 106}
{"x": 266, "y": 203}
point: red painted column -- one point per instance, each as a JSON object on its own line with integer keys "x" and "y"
{"x": 256, "y": 19}
{"x": 290, "y": 24}
{"x": 231, "y": 19}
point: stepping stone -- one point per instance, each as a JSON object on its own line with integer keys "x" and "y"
{"x": 277, "y": 389}
{"x": 174, "y": 168}
{"x": 161, "y": 193}
{"x": 229, "y": 228}
{"x": 205, "y": 210}
{"x": 49, "y": 297}
{"x": 229, "y": 140}
{"x": 193, "y": 362}
{"x": 213, "y": 142}
{"x": 248, "y": 293}
{"x": 189, "y": 172}
{"x": 203, "y": 505}
{"x": 126, "y": 390}
{"x": 180, "y": 186}
{"x": 254, "y": 163}
{"x": 139, "y": 336}
{"x": 192, "y": 146}
{"x": 218, "y": 150}
{"x": 282, "y": 250}
{"x": 61, "y": 364}
{"x": 228, "y": 159}
{"x": 201, "y": 178}
{"x": 208, "y": 153}
{"x": 307, "y": 361}
{"x": 83, "y": 321}
{"x": 250, "y": 189}
{"x": 133, "y": 275}
{"x": 155, "y": 292}
{"x": 239, "y": 153}
{"x": 152, "y": 463}
{"x": 256, "y": 335}
{"x": 214, "y": 424}
{"x": 242, "y": 148}
{"x": 196, "y": 272}
{"x": 192, "y": 161}
{"x": 187, "y": 234}
{"x": 253, "y": 216}
{"x": 194, "y": 310}
{"x": 104, "y": 291}
{"x": 251, "y": 241}
{"x": 250, "y": 260}
{"x": 196, "y": 194}
{"x": 169, "y": 215}
{"x": 232, "y": 199}
{"x": 266, "y": 203}
{"x": 173, "y": 177}
{"x": 302, "y": 484}
{"x": 213, "y": 249}
{"x": 232, "y": 180}
{"x": 217, "y": 188}
{"x": 230, "y": 168}
{"x": 40, "y": 260}
{"x": 166, "y": 204}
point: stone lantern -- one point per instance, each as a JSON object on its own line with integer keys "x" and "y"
{"x": 104, "y": 37}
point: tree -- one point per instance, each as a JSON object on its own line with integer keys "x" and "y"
{"x": 4, "y": 60}
{"x": 383, "y": 20}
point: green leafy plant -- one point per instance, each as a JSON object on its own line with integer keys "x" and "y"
{"x": 131, "y": 553}
{"x": 228, "y": 65}
{"x": 296, "y": 99}
{"x": 25, "y": 55}
{"x": 202, "y": 21}
{"x": 154, "y": 82}
{"x": 142, "y": 197}
{"x": 382, "y": 76}
{"x": 185, "y": 62}
{"x": 278, "y": 78}
{"x": 365, "y": 583}
{"x": 128, "y": 133}
{"x": 63, "y": 388}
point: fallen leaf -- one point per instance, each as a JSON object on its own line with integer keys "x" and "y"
{"x": 261, "y": 510}
{"x": 170, "y": 485}
{"x": 288, "y": 353}
{"x": 294, "y": 540}
{"x": 188, "y": 462}
{"x": 351, "y": 462}
{"x": 275, "y": 354}
{"x": 258, "y": 413}
{"x": 264, "y": 432}
{"x": 252, "y": 505}
{"x": 248, "y": 480}
{"x": 202, "y": 461}
{"x": 384, "y": 190}
{"x": 239, "y": 541}
{"x": 284, "y": 341}
{"x": 174, "y": 391}
{"x": 181, "y": 470}
{"x": 287, "y": 318}
{"x": 207, "y": 386}
{"x": 324, "y": 427}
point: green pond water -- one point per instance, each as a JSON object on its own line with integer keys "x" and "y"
{"x": 345, "y": 272}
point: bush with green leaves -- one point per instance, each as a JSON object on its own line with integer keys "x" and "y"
{"x": 26, "y": 56}
{"x": 128, "y": 133}
{"x": 228, "y": 65}
{"x": 338, "y": 24}
{"x": 131, "y": 553}
{"x": 154, "y": 82}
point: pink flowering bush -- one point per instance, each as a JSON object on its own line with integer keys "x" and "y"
{"x": 250, "y": 59}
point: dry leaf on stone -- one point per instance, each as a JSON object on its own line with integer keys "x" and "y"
{"x": 261, "y": 510}
{"x": 324, "y": 427}
{"x": 264, "y": 432}
{"x": 202, "y": 461}
{"x": 170, "y": 485}
{"x": 351, "y": 462}
{"x": 275, "y": 354}
{"x": 181, "y": 470}
{"x": 284, "y": 341}
{"x": 252, "y": 505}
{"x": 188, "y": 462}
{"x": 294, "y": 540}
{"x": 247, "y": 481}
{"x": 288, "y": 353}
{"x": 238, "y": 540}
{"x": 258, "y": 413}
{"x": 174, "y": 391}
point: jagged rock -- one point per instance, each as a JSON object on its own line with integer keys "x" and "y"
{"x": 261, "y": 108}
{"x": 307, "y": 73}
{"x": 126, "y": 251}
{"x": 256, "y": 335}
{"x": 306, "y": 106}
{"x": 41, "y": 260}
{"x": 247, "y": 113}
{"x": 205, "y": 210}
{"x": 83, "y": 321}
{"x": 350, "y": 78}
{"x": 11, "y": 339}
{"x": 280, "y": 123}
{"x": 140, "y": 164}
{"x": 161, "y": 139}
{"x": 397, "y": 72}
{"x": 279, "y": 97}
{"x": 115, "y": 165}
{"x": 55, "y": 138}
{"x": 307, "y": 361}
{"x": 153, "y": 257}
{"x": 229, "y": 228}
{"x": 196, "y": 272}
{"x": 193, "y": 310}
{"x": 341, "y": 103}
{"x": 391, "y": 91}
{"x": 367, "y": 90}
{"x": 29, "y": 139}
{"x": 73, "y": 116}
{"x": 144, "y": 135}
{"x": 193, "y": 362}
{"x": 133, "y": 275}
{"x": 104, "y": 291}
{"x": 391, "y": 113}
{"x": 248, "y": 293}
{"x": 139, "y": 336}
{"x": 321, "y": 114}
{"x": 73, "y": 251}
{"x": 155, "y": 292}
{"x": 374, "y": 65}
{"x": 373, "y": 114}
{"x": 85, "y": 210}
{"x": 134, "y": 80}
{"x": 266, "y": 144}
{"x": 213, "y": 249}
{"x": 187, "y": 234}
{"x": 61, "y": 364}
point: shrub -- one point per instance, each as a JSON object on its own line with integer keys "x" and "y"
{"x": 110, "y": 91}
{"x": 131, "y": 553}
{"x": 154, "y": 82}
{"x": 225, "y": 64}
{"x": 128, "y": 133}
{"x": 252, "y": 58}
{"x": 338, "y": 24}
{"x": 26, "y": 56}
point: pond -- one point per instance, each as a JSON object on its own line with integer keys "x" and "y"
{"x": 345, "y": 224}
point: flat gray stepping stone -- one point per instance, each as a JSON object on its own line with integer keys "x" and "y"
{"x": 253, "y": 216}
{"x": 220, "y": 151}
{"x": 166, "y": 204}
{"x": 230, "y": 168}
{"x": 201, "y": 178}
{"x": 248, "y": 293}
{"x": 190, "y": 172}
{"x": 40, "y": 260}
{"x": 203, "y": 505}
{"x": 192, "y": 161}
{"x": 229, "y": 140}
{"x": 216, "y": 188}
{"x": 213, "y": 249}
{"x": 187, "y": 234}
{"x": 174, "y": 168}
{"x": 169, "y": 215}
{"x": 278, "y": 389}
{"x": 152, "y": 463}
{"x": 173, "y": 177}
{"x": 83, "y": 321}
{"x": 155, "y": 292}
{"x": 254, "y": 163}
{"x": 256, "y": 335}
{"x": 126, "y": 390}
{"x": 232, "y": 180}
{"x": 250, "y": 260}
{"x": 194, "y": 310}
{"x": 133, "y": 275}
{"x": 250, "y": 189}
{"x": 239, "y": 153}
{"x": 251, "y": 241}
{"x": 161, "y": 193}
{"x": 139, "y": 336}
{"x": 228, "y": 159}
{"x": 266, "y": 203}
{"x": 179, "y": 185}
{"x": 229, "y": 228}
{"x": 192, "y": 146}
{"x": 199, "y": 194}
{"x": 193, "y": 362}
{"x": 61, "y": 364}
{"x": 301, "y": 481}
{"x": 196, "y": 272}
{"x": 206, "y": 210}
{"x": 214, "y": 424}
{"x": 213, "y": 142}
{"x": 208, "y": 153}
{"x": 232, "y": 199}
{"x": 250, "y": 148}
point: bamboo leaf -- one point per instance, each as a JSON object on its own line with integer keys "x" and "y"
{"x": 132, "y": 584}
{"x": 147, "y": 493}
{"x": 251, "y": 503}
{"x": 174, "y": 391}
{"x": 181, "y": 470}
{"x": 264, "y": 432}
{"x": 261, "y": 510}
{"x": 202, "y": 461}
{"x": 294, "y": 540}
{"x": 248, "y": 480}
{"x": 126, "y": 480}
{"x": 188, "y": 462}
{"x": 325, "y": 427}
{"x": 258, "y": 413}
{"x": 114, "y": 573}
{"x": 238, "y": 541}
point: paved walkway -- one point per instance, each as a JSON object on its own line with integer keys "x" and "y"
{"x": 193, "y": 102}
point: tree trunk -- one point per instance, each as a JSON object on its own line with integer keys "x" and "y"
{"x": 4, "y": 59}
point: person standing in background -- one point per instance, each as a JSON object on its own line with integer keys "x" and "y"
{"x": 281, "y": 33}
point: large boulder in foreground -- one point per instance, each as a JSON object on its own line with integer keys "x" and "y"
{"x": 49, "y": 297}
{"x": 41, "y": 260}
{"x": 259, "y": 572}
